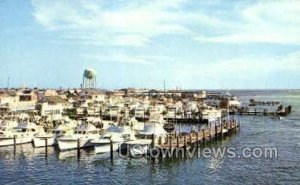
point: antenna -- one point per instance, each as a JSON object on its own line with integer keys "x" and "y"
{"x": 7, "y": 85}
{"x": 164, "y": 86}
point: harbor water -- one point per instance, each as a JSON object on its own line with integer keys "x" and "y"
{"x": 30, "y": 166}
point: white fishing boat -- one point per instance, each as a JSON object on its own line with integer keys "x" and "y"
{"x": 7, "y": 126}
{"x": 115, "y": 134}
{"x": 60, "y": 131}
{"x": 82, "y": 136}
{"x": 210, "y": 114}
{"x": 141, "y": 145}
{"x": 23, "y": 133}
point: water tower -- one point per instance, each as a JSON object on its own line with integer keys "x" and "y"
{"x": 89, "y": 78}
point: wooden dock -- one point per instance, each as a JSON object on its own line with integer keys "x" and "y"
{"x": 281, "y": 111}
{"x": 204, "y": 135}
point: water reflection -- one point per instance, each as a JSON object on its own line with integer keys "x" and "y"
{"x": 214, "y": 163}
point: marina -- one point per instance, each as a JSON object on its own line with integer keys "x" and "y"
{"x": 253, "y": 130}
{"x": 119, "y": 121}
{"x": 127, "y": 123}
{"x": 153, "y": 92}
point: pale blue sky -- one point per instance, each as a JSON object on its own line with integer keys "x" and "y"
{"x": 193, "y": 44}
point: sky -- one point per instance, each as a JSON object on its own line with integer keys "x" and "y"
{"x": 190, "y": 44}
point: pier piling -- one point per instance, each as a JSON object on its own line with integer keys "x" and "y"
{"x": 185, "y": 143}
{"x": 170, "y": 142}
{"x": 46, "y": 147}
{"x": 15, "y": 143}
{"x": 216, "y": 132}
{"x": 197, "y": 139}
{"x": 203, "y": 134}
{"x": 111, "y": 150}
{"x": 78, "y": 149}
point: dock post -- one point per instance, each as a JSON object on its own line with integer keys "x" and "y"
{"x": 111, "y": 150}
{"x": 235, "y": 125}
{"x": 221, "y": 131}
{"x": 209, "y": 134}
{"x": 153, "y": 141}
{"x": 197, "y": 139}
{"x": 46, "y": 147}
{"x": 226, "y": 125}
{"x": 170, "y": 142}
{"x": 177, "y": 141}
{"x": 190, "y": 137}
{"x": 78, "y": 149}
{"x": 216, "y": 132}
{"x": 15, "y": 143}
{"x": 184, "y": 144}
{"x": 153, "y": 146}
{"x": 203, "y": 134}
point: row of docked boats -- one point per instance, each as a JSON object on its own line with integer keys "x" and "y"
{"x": 73, "y": 135}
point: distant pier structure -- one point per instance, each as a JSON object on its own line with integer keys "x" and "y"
{"x": 89, "y": 78}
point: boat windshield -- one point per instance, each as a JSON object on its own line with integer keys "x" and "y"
{"x": 80, "y": 132}
{"x": 21, "y": 130}
{"x": 59, "y": 132}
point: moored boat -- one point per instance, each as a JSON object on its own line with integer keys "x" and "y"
{"x": 23, "y": 133}
{"x": 82, "y": 137}
{"x": 140, "y": 146}
{"x": 115, "y": 134}
{"x": 60, "y": 131}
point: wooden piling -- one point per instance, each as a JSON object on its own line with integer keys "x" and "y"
{"x": 197, "y": 139}
{"x": 184, "y": 140}
{"x": 234, "y": 126}
{"x": 15, "y": 143}
{"x": 216, "y": 132}
{"x": 111, "y": 150}
{"x": 46, "y": 147}
{"x": 152, "y": 146}
{"x": 209, "y": 134}
{"x": 204, "y": 139}
{"x": 222, "y": 135}
{"x": 170, "y": 142}
{"x": 226, "y": 125}
{"x": 153, "y": 141}
{"x": 78, "y": 149}
{"x": 177, "y": 141}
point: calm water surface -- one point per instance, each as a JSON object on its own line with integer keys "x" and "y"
{"x": 30, "y": 166}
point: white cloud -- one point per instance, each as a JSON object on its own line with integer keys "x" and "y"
{"x": 243, "y": 72}
{"x": 121, "y": 58}
{"x": 133, "y": 23}
{"x": 263, "y": 22}
{"x": 136, "y": 23}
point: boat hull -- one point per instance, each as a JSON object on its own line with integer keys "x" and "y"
{"x": 105, "y": 147}
{"x": 71, "y": 144}
{"x": 9, "y": 141}
{"x": 40, "y": 141}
